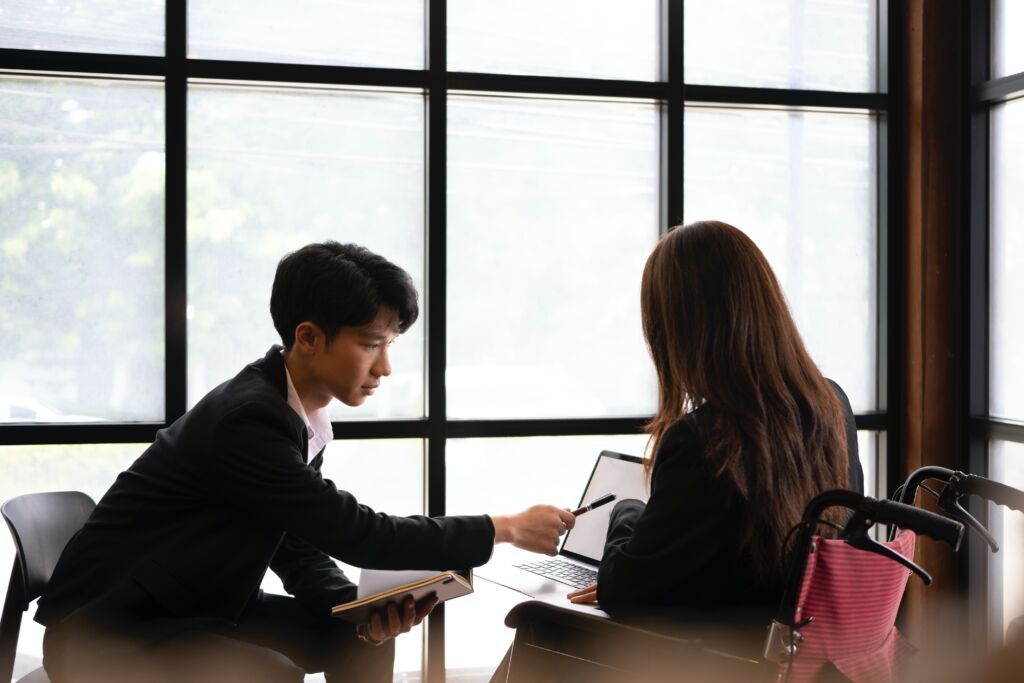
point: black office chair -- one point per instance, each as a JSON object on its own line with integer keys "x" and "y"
{"x": 41, "y": 524}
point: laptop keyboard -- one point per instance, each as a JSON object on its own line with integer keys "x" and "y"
{"x": 561, "y": 571}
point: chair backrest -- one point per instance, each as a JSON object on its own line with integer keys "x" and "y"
{"x": 851, "y": 598}
{"x": 42, "y": 524}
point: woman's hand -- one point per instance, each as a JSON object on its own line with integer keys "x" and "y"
{"x": 584, "y": 595}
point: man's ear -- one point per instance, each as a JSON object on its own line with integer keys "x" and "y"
{"x": 307, "y": 336}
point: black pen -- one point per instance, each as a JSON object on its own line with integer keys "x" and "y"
{"x": 596, "y": 503}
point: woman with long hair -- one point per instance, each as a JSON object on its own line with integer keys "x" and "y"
{"x": 747, "y": 432}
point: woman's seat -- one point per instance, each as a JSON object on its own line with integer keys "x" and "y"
{"x": 566, "y": 645}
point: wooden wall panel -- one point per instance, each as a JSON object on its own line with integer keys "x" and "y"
{"x": 932, "y": 418}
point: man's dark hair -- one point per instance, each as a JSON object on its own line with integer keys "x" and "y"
{"x": 338, "y": 285}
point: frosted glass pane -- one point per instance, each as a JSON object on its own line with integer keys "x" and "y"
{"x": 35, "y": 469}
{"x": 386, "y": 474}
{"x": 583, "y": 38}
{"x": 1007, "y": 27}
{"x": 81, "y": 251}
{"x": 475, "y": 642}
{"x": 273, "y": 170}
{"x": 381, "y": 33}
{"x": 107, "y": 26}
{"x": 552, "y": 211}
{"x": 867, "y": 450}
{"x": 565, "y": 461}
{"x": 1006, "y": 258}
{"x": 803, "y": 186}
{"x": 1006, "y": 464}
{"x": 805, "y": 44}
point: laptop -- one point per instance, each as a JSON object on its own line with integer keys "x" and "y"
{"x": 577, "y": 561}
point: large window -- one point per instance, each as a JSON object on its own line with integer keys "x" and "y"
{"x": 996, "y": 280}
{"x": 518, "y": 159}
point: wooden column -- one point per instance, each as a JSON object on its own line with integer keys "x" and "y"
{"x": 932, "y": 419}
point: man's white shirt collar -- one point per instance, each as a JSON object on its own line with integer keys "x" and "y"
{"x": 319, "y": 423}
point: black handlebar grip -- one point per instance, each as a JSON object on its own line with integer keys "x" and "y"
{"x": 997, "y": 492}
{"x": 920, "y": 521}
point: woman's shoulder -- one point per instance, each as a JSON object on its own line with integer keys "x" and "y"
{"x": 844, "y": 400}
{"x": 682, "y": 445}
{"x": 683, "y": 431}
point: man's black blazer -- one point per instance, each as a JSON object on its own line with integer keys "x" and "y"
{"x": 189, "y": 530}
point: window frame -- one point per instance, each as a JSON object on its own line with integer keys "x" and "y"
{"x": 435, "y": 82}
{"x": 982, "y": 93}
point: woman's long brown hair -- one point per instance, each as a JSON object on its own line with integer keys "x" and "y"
{"x": 723, "y": 341}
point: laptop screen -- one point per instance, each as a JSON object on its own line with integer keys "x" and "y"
{"x": 615, "y": 473}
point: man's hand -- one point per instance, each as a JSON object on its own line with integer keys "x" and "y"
{"x": 536, "y": 529}
{"x": 584, "y": 595}
{"x": 391, "y": 621}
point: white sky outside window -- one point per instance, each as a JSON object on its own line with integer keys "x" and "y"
{"x": 81, "y": 250}
{"x": 375, "y": 33}
{"x": 88, "y": 468}
{"x": 582, "y": 38}
{"x": 1006, "y": 464}
{"x": 801, "y": 44}
{"x": 552, "y": 211}
{"x": 1007, "y": 47}
{"x": 273, "y": 170}
{"x": 803, "y": 186}
{"x": 1006, "y": 318}
{"x": 105, "y": 26}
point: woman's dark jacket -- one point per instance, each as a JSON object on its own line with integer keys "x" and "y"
{"x": 679, "y": 555}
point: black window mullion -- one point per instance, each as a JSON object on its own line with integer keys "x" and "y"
{"x": 975, "y": 563}
{"x": 999, "y": 89}
{"x": 988, "y": 429}
{"x": 308, "y": 74}
{"x": 175, "y": 289}
{"x": 436, "y": 299}
{"x": 778, "y": 97}
{"x": 52, "y": 61}
{"x": 78, "y": 433}
{"x": 673, "y": 120}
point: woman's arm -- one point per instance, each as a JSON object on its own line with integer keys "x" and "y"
{"x": 661, "y": 553}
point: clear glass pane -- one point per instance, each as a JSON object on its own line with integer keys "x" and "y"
{"x": 867, "y": 449}
{"x": 388, "y": 476}
{"x": 35, "y": 469}
{"x": 1006, "y": 258}
{"x": 1006, "y": 464}
{"x": 583, "y": 38}
{"x": 552, "y": 211}
{"x": 806, "y": 44}
{"x": 475, "y": 637}
{"x": 1007, "y": 27}
{"x": 81, "y": 250}
{"x": 108, "y": 26}
{"x": 273, "y": 170}
{"x": 382, "y": 33}
{"x": 803, "y": 186}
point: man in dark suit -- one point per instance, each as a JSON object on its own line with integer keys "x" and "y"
{"x": 162, "y": 583}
